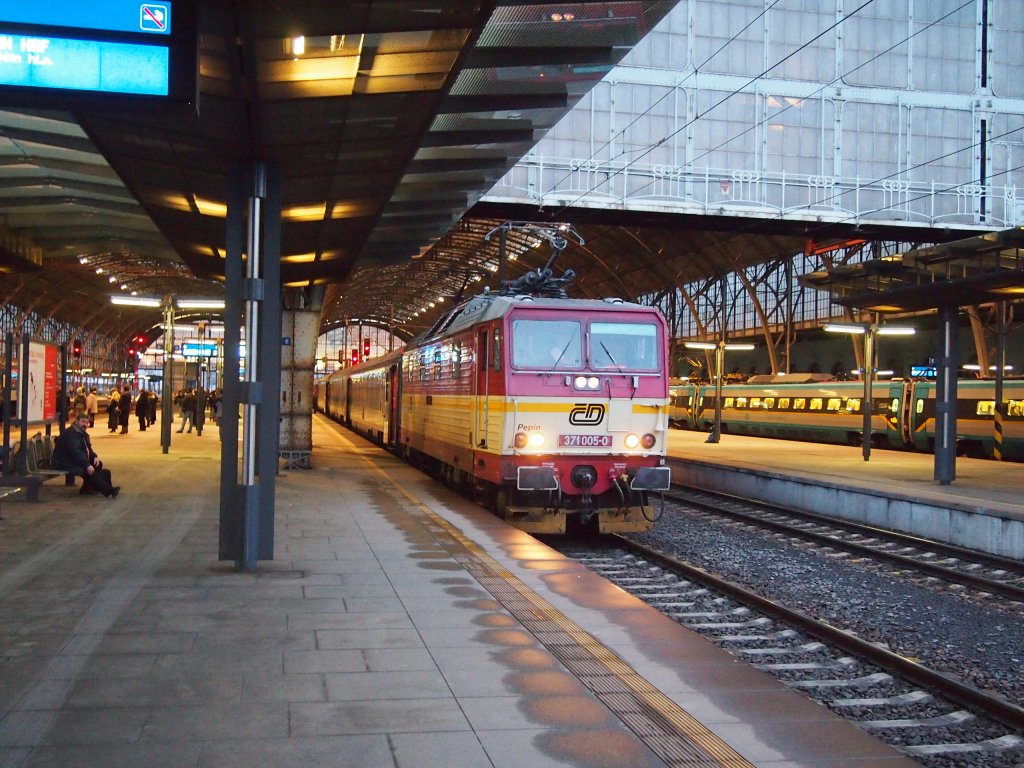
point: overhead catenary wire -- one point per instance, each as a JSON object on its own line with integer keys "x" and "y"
{"x": 734, "y": 92}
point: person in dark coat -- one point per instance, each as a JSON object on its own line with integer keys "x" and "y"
{"x": 73, "y": 452}
{"x": 154, "y": 401}
{"x": 124, "y": 409}
{"x": 112, "y": 409}
{"x": 142, "y": 409}
{"x": 188, "y": 410}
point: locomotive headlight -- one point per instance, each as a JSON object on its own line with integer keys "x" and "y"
{"x": 586, "y": 382}
{"x": 536, "y": 439}
{"x": 648, "y": 441}
{"x": 632, "y": 441}
{"x": 520, "y": 440}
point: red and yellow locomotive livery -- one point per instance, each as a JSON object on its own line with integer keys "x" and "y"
{"x": 543, "y": 408}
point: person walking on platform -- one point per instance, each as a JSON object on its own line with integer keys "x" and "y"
{"x": 142, "y": 409}
{"x": 188, "y": 410}
{"x": 124, "y": 409}
{"x": 153, "y": 403}
{"x": 112, "y": 410}
{"x": 92, "y": 406}
{"x": 73, "y": 452}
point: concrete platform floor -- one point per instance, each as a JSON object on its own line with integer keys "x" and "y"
{"x": 398, "y": 626}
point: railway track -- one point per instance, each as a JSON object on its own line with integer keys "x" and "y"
{"x": 935, "y": 718}
{"x": 979, "y": 571}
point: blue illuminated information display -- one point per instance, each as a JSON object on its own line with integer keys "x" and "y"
{"x": 109, "y": 15}
{"x": 84, "y": 65}
{"x": 199, "y": 348}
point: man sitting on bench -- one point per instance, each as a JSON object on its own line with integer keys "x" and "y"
{"x": 73, "y": 453}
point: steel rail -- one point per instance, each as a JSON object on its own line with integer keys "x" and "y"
{"x": 981, "y": 583}
{"x": 998, "y": 709}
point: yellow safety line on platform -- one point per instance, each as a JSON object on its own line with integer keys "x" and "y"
{"x": 686, "y": 725}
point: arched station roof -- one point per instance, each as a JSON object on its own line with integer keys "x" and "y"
{"x": 388, "y": 122}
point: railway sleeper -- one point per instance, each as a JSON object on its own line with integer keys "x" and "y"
{"x": 900, "y": 700}
{"x": 951, "y": 719}
{"x": 866, "y": 681}
{"x": 1001, "y": 744}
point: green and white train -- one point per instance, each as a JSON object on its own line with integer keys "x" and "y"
{"x": 903, "y": 413}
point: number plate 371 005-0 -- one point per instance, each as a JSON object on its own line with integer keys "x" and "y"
{"x": 584, "y": 441}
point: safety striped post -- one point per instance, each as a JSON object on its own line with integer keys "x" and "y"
{"x": 997, "y": 433}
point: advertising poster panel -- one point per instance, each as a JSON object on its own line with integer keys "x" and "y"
{"x": 42, "y": 382}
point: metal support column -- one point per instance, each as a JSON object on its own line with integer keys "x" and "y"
{"x": 716, "y": 432}
{"x": 23, "y": 404}
{"x": 269, "y": 410}
{"x": 63, "y": 404}
{"x": 945, "y": 395}
{"x": 867, "y": 405}
{"x": 167, "y": 402}
{"x": 231, "y": 511}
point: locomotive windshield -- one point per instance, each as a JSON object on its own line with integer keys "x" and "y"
{"x": 624, "y": 346}
{"x": 547, "y": 344}
{"x": 557, "y": 345}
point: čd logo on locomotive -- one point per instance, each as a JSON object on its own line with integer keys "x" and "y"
{"x": 587, "y": 414}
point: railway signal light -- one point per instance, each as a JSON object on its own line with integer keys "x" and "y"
{"x": 366, "y": 348}
{"x": 355, "y": 356}
{"x": 76, "y": 348}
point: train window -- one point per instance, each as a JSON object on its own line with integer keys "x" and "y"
{"x": 741, "y": 402}
{"x": 894, "y": 406}
{"x": 816, "y": 403}
{"x": 457, "y": 362}
{"x": 1015, "y": 408}
{"x": 547, "y": 344}
{"x": 784, "y": 403}
{"x": 834, "y": 403}
{"x": 702, "y": 401}
{"x": 755, "y": 402}
{"x": 497, "y": 350}
{"x": 986, "y": 408}
{"x": 769, "y": 402}
{"x": 919, "y": 407}
{"x": 853, "y": 405}
{"x": 689, "y": 400}
{"x": 799, "y": 403}
{"x": 729, "y": 402}
{"x": 624, "y": 346}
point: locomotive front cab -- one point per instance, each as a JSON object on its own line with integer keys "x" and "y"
{"x": 586, "y": 416}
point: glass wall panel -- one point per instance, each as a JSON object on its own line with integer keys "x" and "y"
{"x": 795, "y": 134}
{"x": 716, "y": 24}
{"x": 792, "y": 26}
{"x": 1007, "y": 137}
{"x": 721, "y": 135}
{"x": 944, "y": 53}
{"x": 942, "y": 146}
{"x": 874, "y": 49}
{"x": 1007, "y": 65}
{"x": 871, "y": 141}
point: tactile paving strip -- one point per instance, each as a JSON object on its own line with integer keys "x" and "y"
{"x": 667, "y": 729}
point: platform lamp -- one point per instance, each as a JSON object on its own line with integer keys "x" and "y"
{"x": 720, "y": 349}
{"x": 869, "y": 331}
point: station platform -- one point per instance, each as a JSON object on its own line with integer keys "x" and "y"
{"x": 400, "y": 625}
{"x": 983, "y": 509}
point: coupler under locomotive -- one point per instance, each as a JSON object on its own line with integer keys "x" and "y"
{"x": 601, "y": 496}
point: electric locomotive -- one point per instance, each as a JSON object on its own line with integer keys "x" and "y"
{"x": 545, "y": 408}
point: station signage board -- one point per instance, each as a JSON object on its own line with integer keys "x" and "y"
{"x": 196, "y": 348}
{"x": 117, "y": 48}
